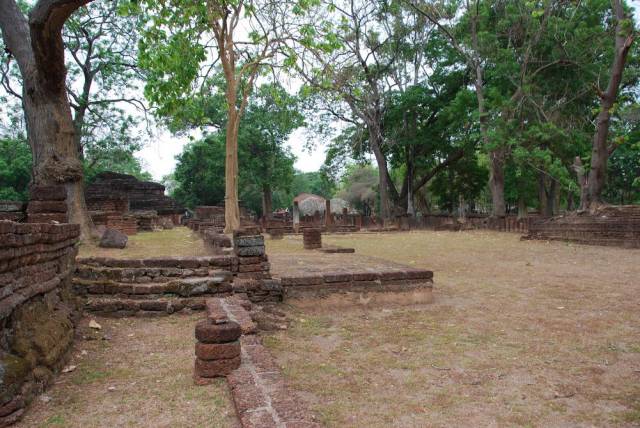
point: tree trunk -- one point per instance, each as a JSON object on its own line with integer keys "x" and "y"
{"x": 51, "y": 135}
{"x": 496, "y": 182}
{"x": 267, "y": 201}
{"x": 522, "y": 208}
{"x": 570, "y": 201}
{"x": 231, "y": 205}
{"x": 600, "y": 149}
{"x": 542, "y": 194}
{"x": 410, "y": 165}
{"x": 384, "y": 180}
{"x": 582, "y": 182}
{"x": 552, "y": 208}
{"x": 38, "y": 49}
{"x": 496, "y": 156}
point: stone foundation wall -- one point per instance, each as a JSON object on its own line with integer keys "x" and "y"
{"x": 611, "y": 226}
{"x": 37, "y": 309}
{"x": 147, "y": 221}
{"x": 208, "y": 212}
{"x": 161, "y": 286}
{"x": 510, "y": 223}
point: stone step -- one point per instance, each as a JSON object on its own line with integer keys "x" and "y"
{"x": 184, "y": 287}
{"x": 159, "y": 262}
{"x": 146, "y": 274}
{"x": 109, "y": 306}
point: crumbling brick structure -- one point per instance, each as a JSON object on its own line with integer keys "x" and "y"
{"x": 119, "y": 201}
{"x": 155, "y": 286}
{"x": 612, "y": 226}
{"x": 215, "y": 241}
{"x": 213, "y": 216}
{"x": 37, "y": 309}
{"x": 259, "y": 391}
{"x": 311, "y": 238}
{"x": 254, "y": 271}
{"x": 218, "y": 346}
{"x": 12, "y": 210}
{"x": 124, "y": 223}
{"x": 47, "y": 204}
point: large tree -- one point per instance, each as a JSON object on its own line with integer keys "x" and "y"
{"x": 185, "y": 42}
{"x": 103, "y": 80}
{"x": 267, "y": 164}
{"x": 36, "y": 44}
{"x": 344, "y": 52}
{"x": 602, "y": 147}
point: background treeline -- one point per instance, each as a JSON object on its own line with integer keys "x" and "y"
{"x": 487, "y": 106}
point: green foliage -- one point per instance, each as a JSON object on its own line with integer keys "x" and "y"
{"x": 102, "y": 79}
{"x": 467, "y": 178}
{"x": 199, "y": 173}
{"x": 359, "y": 187}
{"x": 317, "y": 183}
{"x": 15, "y": 169}
{"x": 266, "y": 164}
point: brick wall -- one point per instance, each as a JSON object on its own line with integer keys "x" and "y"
{"x": 612, "y": 226}
{"x": 37, "y": 309}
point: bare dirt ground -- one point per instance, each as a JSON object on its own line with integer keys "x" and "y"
{"x": 135, "y": 372}
{"x": 522, "y": 333}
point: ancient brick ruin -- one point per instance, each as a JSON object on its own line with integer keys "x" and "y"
{"x": 157, "y": 286}
{"x": 37, "y": 309}
{"x": 611, "y": 226}
{"x": 13, "y": 210}
{"x": 212, "y": 216}
{"x": 139, "y": 287}
{"x": 228, "y": 346}
{"x": 47, "y": 204}
{"x": 217, "y": 347}
{"x": 124, "y": 203}
{"x": 311, "y": 238}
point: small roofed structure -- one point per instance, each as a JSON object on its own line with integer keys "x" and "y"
{"x": 309, "y": 204}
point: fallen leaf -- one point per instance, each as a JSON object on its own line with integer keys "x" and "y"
{"x": 93, "y": 324}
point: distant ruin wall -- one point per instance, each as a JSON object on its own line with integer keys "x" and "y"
{"x": 12, "y": 210}
{"x": 617, "y": 226}
{"x": 37, "y": 309}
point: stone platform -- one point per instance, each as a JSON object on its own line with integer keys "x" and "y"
{"x": 349, "y": 277}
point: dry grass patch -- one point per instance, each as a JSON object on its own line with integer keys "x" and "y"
{"x": 522, "y": 334}
{"x": 142, "y": 376}
{"x": 178, "y": 242}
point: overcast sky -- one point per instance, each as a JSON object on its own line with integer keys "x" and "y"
{"x": 158, "y": 156}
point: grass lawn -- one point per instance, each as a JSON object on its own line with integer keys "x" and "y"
{"x": 523, "y": 333}
{"x": 142, "y": 376}
{"x": 179, "y": 241}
